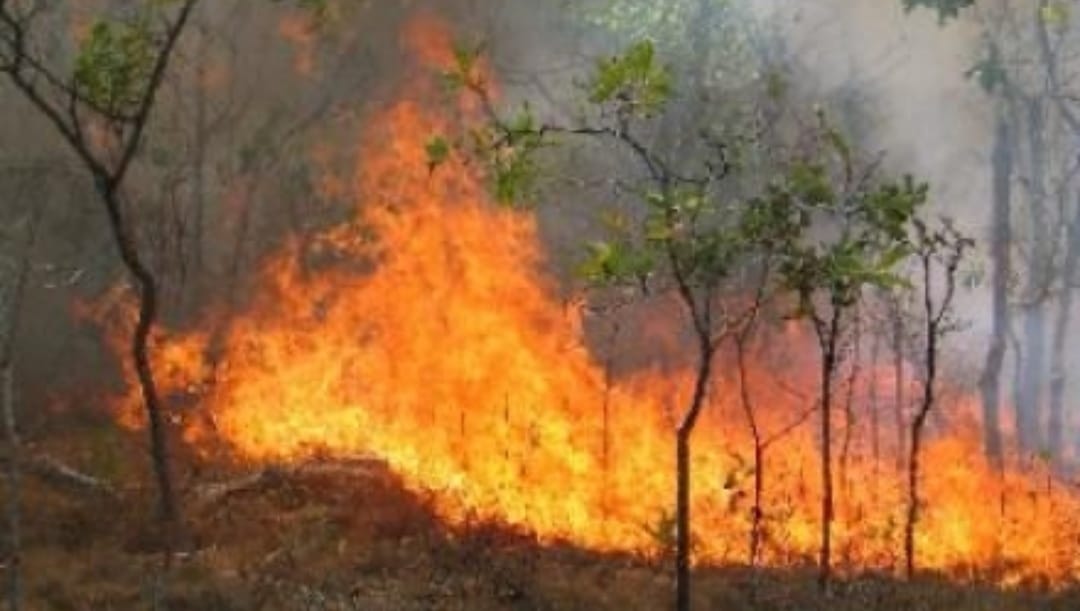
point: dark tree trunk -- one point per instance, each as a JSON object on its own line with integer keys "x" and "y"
{"x": 919, "y": 422}
{"x": 757, "y": 512}
{"x": 913, "y": 467}
{"x": 682, "y": 462}
{"x": 899, "y": 395}
{"x": 829, "y": 336}
{"x": 849, "y": 408}
{"x": 14, "y": 492}
{"x": 147, "y": 289}
{"x": 1001, "y": 236}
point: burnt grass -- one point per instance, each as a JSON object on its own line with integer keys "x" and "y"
{"x": 342, "y": 541}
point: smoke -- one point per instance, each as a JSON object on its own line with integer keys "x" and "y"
{"x": 897, "y": 79}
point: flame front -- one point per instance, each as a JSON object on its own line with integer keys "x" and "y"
{"x": 441, "y": 346}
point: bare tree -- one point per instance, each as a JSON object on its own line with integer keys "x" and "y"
{"x": 84, "y": 113}
{"x": 944, "y": 247}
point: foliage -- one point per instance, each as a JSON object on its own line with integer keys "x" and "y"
{"x": 114, "y": 64}
{"x": 869, "y": 245}
{"x": 680, "y": 29}
{"x": 633, "y": 80}
{"x": 867, "y": 227}
{"x": 506, "y": 147}
{"x": 946, "y": 9}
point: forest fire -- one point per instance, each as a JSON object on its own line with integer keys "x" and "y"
{"x": 449, "y": 355}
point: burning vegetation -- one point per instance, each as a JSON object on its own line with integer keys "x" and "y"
{"x": 429, "y": 335}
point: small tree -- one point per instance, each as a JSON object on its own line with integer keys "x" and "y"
{"x": 865, "y": 229}
{"x": 102, "y": 110}
{"x": 682, "y": 239}
{"x": 944, "y": 247}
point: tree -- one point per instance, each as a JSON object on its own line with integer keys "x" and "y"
{"x": 683, "y": 242}
{"x": 101, "y": 110}
{"x": 990, "y": 381}
{"x": 828, "y": 276}
{"x": 945, "y": 248}
{"x": 1050, "y": 39}
{"x": 689, "y": 238}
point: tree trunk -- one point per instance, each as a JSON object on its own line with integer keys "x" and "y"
{"x": 918, "y": 423}
{"x": 828, "y": 370}
{"x": 899, "y": 396}
{"x": 757, "y": 512}
{"x": 1030, "y": 408}
{"x": 14, "y": 497}
{"x": 872, "y": 407}
{"x": 1059, "y": 364}
{"x": 913, "y": 479}
{"x": 682, "y": 462}
{"x": 1001, "y": 236}
{"x": 148, "y": 307}
{"x": 849, "y": 408}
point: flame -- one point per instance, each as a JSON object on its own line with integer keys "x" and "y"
{"x": 442, "y": 347}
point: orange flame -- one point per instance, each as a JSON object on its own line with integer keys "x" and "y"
{"x": 451, "y": 357}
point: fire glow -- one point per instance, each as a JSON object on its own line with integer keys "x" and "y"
{"x": 452, "y": 358}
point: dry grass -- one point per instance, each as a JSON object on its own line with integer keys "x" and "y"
{"x": 337, "y": 542}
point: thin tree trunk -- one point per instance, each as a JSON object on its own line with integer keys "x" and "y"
{"x": 913, "y": 471}
{"x": 1001, "y": 236}
{"x": 872, "y": 407}
{"x": 828, "y": 370}
{"x": 148, "y": 308}
{"x": 849, "y": 406}
{"x": 1059, "y": 365}
{"x": 899, "y": 394}
{"x": 14, "y": 497}
{"x": 757, "y": 512}
{"x": 1030, "y": 408}
{"x": 919, "y": 422}
{"x": 682, "y": 462}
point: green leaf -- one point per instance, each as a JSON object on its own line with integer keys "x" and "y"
{"x": 515, "y": 175}
{"x": 633, "y": 79}
{"x": 114, "y": 64}
{"x": 810, "y": 182}
{"x": 610, "y": 262}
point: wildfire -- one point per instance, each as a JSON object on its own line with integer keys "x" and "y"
{"x": 443, "y": 348}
